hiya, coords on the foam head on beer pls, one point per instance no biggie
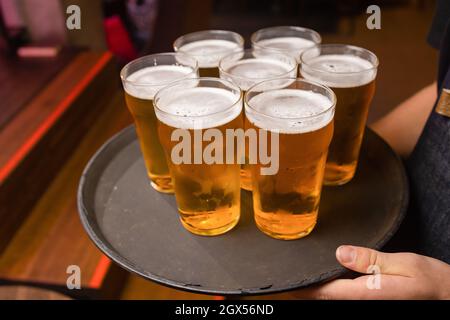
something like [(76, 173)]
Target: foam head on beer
[(288, 39), (286, 43), (209, 46), (262, 68), (339, 70), (197, 107), (249, 67), (289, 111), (144, 83), (208, 52)]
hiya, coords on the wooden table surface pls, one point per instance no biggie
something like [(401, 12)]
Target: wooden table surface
[(18, 87)]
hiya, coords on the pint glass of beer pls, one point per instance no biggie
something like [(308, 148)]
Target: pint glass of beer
[(141, 79), (208, 47), (248, 67), (193, 118), (286, 39), (350, 71), (301, 113)]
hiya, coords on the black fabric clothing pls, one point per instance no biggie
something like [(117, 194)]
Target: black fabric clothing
[(428, 166)]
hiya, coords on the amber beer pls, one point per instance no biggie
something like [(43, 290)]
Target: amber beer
[(208, 47), (207, 194), (289, 40), (286, 204), (141, 79), (248, 67), (350, 71)]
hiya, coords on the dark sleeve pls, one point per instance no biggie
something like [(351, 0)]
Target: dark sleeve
[(440, 20)]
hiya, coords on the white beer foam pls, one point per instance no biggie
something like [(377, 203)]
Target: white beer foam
[(209, 52), (287, 43), (198, 107), (147, 81), (339, 71), (289, 111), (247, 72)]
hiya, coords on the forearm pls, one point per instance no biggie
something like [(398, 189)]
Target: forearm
[(402, 126)]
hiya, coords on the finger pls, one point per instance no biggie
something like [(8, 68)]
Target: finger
[(365, 260), (365, 287), (342, 289), (327, 291)]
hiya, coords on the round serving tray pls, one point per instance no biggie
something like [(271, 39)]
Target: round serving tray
[(139, 229)]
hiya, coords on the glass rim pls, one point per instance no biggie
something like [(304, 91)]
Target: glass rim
[(176, 46), (297, 80), (374, 63), (199, 79), (124, 69), (221, 69), (296, 28)]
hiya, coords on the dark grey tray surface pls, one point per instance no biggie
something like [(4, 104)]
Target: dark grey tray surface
[(139, 228)]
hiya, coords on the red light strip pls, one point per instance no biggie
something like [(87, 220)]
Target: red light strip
[(100, 272)]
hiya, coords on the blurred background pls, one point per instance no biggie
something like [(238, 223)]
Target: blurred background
[(61, 99)]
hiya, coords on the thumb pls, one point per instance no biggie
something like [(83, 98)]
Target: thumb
[(365, 260)]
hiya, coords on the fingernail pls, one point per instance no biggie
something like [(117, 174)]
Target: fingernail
[(346, 254)]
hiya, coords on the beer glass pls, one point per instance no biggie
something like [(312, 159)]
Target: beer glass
[(300, 112), (286, 39), (248, 67), (208, 47), (350, 71), (191, 113), (141, 78)]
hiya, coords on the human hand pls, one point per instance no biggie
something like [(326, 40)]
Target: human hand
[(401, 276)]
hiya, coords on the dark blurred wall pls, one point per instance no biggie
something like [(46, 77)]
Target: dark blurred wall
[(91, 34), (177, 17)]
